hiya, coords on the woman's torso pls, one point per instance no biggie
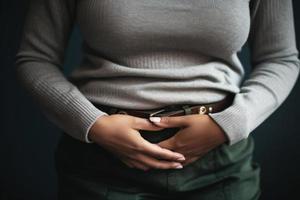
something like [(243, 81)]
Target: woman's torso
[(146, 54)]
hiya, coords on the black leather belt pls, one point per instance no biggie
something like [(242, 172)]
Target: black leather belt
[(172, 110)]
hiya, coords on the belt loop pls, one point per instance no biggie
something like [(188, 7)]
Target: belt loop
[(187, 109)]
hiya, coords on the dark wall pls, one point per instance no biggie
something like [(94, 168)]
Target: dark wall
[(28, 139)]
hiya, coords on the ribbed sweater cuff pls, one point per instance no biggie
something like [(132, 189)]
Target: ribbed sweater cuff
[(80, 115), (89, 118), (76, 115), (88, 123), (61, 101), (233, 122)]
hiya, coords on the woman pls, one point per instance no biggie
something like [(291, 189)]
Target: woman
[(140, 57)]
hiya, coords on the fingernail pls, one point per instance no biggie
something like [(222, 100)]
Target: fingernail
[(181, 159), (179, 167), (155, 119)]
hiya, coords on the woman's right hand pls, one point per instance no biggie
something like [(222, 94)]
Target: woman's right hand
[(119, 134)]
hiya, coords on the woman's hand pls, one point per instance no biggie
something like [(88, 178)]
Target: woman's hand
[(199, 134), (119, 134)]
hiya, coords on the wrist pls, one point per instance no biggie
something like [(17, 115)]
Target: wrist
[(219, 132), (93, 132)]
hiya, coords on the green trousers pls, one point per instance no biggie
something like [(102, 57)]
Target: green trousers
[(89, 172)]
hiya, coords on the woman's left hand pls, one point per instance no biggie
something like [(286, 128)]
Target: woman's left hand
[(198, 135)]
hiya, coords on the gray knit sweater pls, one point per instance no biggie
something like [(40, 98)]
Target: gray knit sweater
[(142, 54)]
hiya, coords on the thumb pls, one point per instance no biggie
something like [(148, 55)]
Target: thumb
[(175, 121), (167, 144)]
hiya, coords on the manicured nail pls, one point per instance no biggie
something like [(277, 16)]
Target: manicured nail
[(155, 119), (179, 167)]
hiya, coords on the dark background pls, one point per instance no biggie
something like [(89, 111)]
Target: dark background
[(28, 139)]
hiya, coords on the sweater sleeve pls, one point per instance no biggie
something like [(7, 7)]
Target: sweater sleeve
[(275, 63), (39, 63)]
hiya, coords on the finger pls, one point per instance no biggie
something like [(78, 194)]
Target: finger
[(135, 164), (168, 143), (139, 165), (173, 121), (158, 164), (171, 143), (144, 124), (161, 153)]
